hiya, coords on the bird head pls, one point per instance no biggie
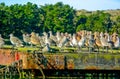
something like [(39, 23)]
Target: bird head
[(11, 35)]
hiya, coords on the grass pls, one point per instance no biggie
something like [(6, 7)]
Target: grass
[(22, 49), (69, 52), (27, 49)]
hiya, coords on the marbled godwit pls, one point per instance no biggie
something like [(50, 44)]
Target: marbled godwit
[(116, 40), (91, 42), (73, 42), (63, 41), (58, 36), (49, 40), (81, 42), (35, 39), (54, 38), (42, 40), (26, 38), (15, 41), (104, 42), (97, 40), (109, 41), (117, 43)]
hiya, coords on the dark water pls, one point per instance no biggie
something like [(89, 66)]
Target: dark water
[(85, 76), (66, 74)]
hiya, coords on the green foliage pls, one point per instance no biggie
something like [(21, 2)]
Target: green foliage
[(80, 22), (58, 17), (61, 17), (116, 26)]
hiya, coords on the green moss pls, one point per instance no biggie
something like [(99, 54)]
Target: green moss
[(7, 46), (108, 57), (26, 49), (69, 53), (21, 49), (75, 56)]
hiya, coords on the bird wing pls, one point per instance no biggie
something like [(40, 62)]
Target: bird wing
[(35, 40), (16, 40)]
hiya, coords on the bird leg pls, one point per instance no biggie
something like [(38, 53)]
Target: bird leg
[(13, 46), (103, 49), (26, 44), (98, 49), (91, 49), (106, 49), (112, 49), (79, 49), (31, 45), (74, 50), (61, 49)]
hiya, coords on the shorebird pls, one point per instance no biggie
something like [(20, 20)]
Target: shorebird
[(42, 40), (58, 37), (50, 41), (105, 43), (54, 38), (116, 40), (63, 41), (91, 42), (16, 41), (46, 48), (68, 44), (62, 35), (97, 40), (26, 38), (109, 40), (81, 42), (73, 42), (1, 41), (35, 39)]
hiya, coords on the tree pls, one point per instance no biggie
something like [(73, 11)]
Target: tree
[(58, 17), (116, 25), (80, 22)]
